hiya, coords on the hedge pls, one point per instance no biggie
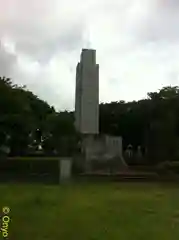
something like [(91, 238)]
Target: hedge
[(168, 166), (30, 168)]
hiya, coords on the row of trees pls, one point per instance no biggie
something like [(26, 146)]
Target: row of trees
[(152, 123), (27, 122)]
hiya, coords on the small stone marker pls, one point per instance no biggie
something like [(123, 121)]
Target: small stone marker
[(65, 169)]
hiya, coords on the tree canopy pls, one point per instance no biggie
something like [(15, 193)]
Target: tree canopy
[(27, 121)]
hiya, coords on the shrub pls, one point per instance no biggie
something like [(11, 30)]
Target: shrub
[(168, 167)]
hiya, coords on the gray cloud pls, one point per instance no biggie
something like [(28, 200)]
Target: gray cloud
[(162, 22), (40, 30), (136, 42), (45, 49), (7, 61)]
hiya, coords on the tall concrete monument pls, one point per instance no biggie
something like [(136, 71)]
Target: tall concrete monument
[(87, 94), (94, 146)]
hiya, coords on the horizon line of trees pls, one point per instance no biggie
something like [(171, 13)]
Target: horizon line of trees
[(27, 122)]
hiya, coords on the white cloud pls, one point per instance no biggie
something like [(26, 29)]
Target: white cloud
[(136, 42)]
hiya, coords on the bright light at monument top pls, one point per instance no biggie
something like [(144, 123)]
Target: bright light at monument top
[(87, 93)]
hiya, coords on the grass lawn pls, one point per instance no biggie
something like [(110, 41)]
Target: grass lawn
[(89, 211)]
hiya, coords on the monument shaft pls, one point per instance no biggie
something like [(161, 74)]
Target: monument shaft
[(87, 94)]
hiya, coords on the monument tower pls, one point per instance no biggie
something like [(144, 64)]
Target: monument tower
[(87, 93), (94, 146)]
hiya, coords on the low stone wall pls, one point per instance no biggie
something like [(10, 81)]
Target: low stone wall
[(42, 170)]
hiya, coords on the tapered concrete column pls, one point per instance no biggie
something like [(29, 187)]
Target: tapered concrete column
[(87, 93)]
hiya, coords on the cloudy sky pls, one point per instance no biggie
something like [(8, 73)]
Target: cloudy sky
[(137, 43)]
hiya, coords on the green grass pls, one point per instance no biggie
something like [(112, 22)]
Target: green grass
[(89, 211)]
